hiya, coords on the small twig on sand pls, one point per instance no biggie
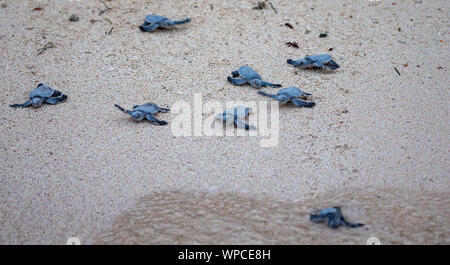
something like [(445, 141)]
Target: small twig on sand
[(397, 70), (47, 46), (107, 8), (288, 25), (292, 44), (276, 12), (108, 20), (109, 32), (74, 18), (260, 6)]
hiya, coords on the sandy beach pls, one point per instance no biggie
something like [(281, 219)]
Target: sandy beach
[(377, 143)]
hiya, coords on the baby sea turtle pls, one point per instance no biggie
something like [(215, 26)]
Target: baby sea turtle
[(145, 111), (334, 217), (292, 94), (315, 61), (235, 115), (41, 94), (153, 22), (249, 76)]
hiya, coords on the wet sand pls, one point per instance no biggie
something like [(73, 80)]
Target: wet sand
[(81, 167), (392, 216)]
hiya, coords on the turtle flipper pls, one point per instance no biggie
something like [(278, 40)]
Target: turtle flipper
[(146, 27), (237, 81), (348, 224), (333, 65), (292, 62), (24, 105), (178, 22), (243, 125), (318, 65), (120, 108), (56, 100), (123, 110), (351, 225), (301, 103), (267, 95), (235, 73), (267, 84), (154, 120)]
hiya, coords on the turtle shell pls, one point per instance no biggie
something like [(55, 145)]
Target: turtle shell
[(330, 210), (237, 112), (152, 18), (248, 73), (148, 108), (291, 92), (42, 91), (321, 58)]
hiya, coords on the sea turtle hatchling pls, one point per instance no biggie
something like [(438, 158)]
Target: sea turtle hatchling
[(41, 94), (333, 216), (146, 110), (153, 22), (315, 61), (249, 76), (292, 94), (235, 115)]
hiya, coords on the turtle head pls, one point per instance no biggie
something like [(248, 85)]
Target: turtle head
[(256, 83), (301, 63), (283, 99), (137, 115), (298, 63), (227, 119), (36, 102)]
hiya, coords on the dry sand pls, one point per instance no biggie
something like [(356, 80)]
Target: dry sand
[(376, 143)]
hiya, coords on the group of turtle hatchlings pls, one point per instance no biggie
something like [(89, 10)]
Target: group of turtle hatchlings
[(43, 93), (332, 215)]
